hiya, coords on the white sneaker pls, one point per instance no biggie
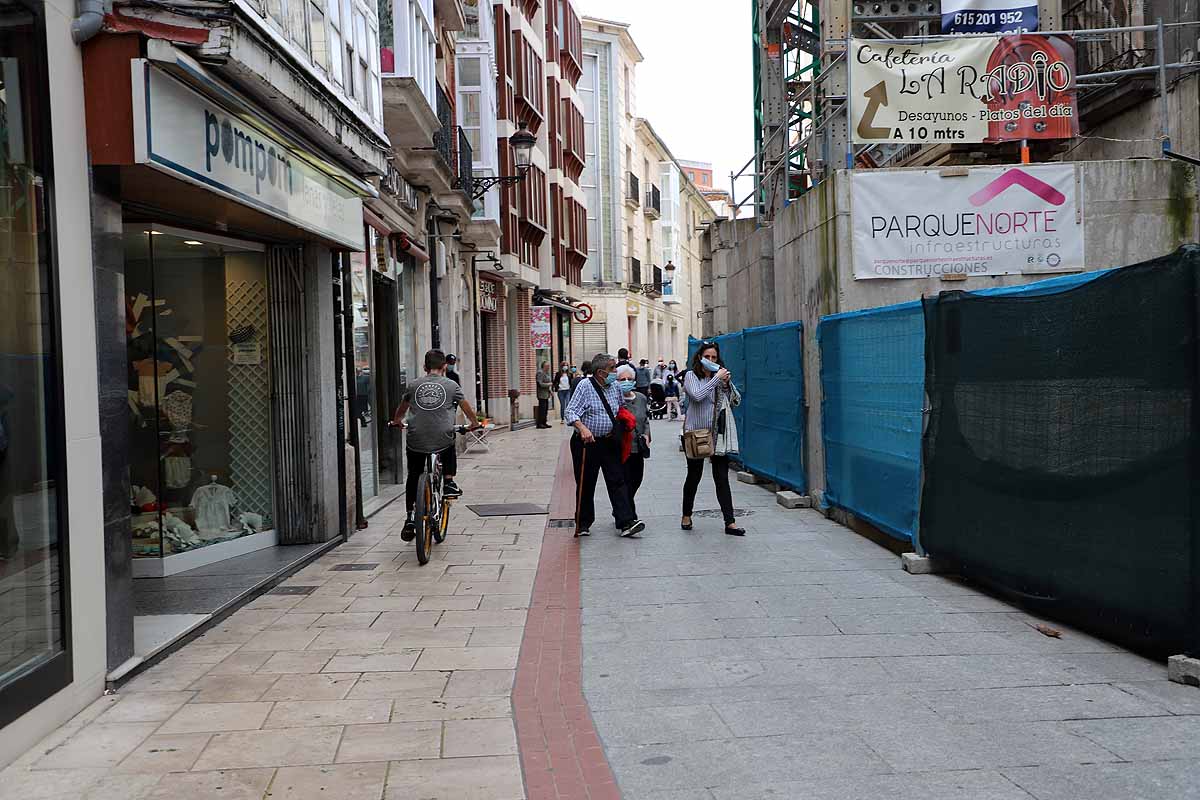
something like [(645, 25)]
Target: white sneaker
[(635, 527)]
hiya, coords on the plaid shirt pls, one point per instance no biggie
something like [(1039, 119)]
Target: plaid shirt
[(585, 405)]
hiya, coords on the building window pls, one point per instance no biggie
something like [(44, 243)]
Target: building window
[(320, 37), (470, 83), (35, 658), (628, 85), (335, 41), (297, 25)]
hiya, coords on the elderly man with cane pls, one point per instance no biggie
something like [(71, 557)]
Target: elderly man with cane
[(596, 447)]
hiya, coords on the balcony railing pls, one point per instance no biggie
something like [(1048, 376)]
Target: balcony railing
[(635, 271), (466, 164), (634, 194), (444, 138), (653, 200)]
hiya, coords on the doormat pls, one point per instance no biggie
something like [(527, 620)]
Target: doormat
[(507, 509), (561, 523)]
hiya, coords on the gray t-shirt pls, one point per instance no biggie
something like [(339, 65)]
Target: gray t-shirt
[(433, 405)]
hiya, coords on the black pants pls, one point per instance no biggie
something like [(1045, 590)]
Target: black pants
[(603, 455), (635, 469), (543, 411), (720, 473), (416, 465)]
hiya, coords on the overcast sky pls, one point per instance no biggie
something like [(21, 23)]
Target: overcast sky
[(694, 84)]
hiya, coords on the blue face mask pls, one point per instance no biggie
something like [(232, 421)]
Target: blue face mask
[(609, 380), (711, 366), (627, 385)]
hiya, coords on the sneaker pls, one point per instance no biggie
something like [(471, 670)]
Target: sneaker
[(450, 489), (633, 529), (582, 533), (409, 531)]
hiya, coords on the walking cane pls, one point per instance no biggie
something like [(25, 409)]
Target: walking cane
[(579, 488)]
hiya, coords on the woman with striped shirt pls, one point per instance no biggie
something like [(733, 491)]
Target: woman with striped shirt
[(703, 385)]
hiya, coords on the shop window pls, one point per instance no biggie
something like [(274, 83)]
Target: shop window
[(35, 660), (199, 391)]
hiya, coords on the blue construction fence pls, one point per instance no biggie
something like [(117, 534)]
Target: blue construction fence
[(768, 369), (872, 411)]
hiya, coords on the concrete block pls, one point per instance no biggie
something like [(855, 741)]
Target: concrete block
[(921, 565), (1183, 669), (747, 477), (792, 500)]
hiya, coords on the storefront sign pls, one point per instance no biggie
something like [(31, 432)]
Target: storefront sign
[(632, 309), (182, 132), (539, 327), (992, 221), (246, 354), (978, 89), (989, 16), (487, 296)]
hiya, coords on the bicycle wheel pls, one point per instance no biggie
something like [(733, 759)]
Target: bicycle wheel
[(439, 535), (424, 515)]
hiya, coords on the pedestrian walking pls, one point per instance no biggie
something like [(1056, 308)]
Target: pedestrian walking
[(673, 368), (661, 371), (563, 385), (452, 368), (671, 390), (709, 431), (642, 377), (596, 448), (638, 405), (623, 357), (580, 375), (544, 383)]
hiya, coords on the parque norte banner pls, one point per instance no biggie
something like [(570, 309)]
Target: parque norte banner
[(990, 221), (966, 90)]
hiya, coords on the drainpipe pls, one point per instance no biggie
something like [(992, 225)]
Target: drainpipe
[(87, 23)]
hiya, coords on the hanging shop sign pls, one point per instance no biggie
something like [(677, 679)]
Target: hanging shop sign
[(989, 16), (182, 132), (539, 327), (487, 297), (968, 90), (991, 221)]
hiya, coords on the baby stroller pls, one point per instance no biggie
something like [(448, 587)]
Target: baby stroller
[(657, 407)]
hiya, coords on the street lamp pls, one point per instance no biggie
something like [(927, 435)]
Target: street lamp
[(522, 143), (668, 274)]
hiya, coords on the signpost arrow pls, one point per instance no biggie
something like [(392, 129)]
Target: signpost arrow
[(876, 97)]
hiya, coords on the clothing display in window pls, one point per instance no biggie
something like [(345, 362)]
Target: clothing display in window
[(178, 407), (213, 504)]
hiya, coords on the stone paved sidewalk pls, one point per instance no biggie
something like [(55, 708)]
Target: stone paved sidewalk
[(388, 680), (800, 662)]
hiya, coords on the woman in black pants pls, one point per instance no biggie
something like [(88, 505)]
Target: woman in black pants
[(704, 384)]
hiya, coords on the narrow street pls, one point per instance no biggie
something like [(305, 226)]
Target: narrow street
[(799, 661)]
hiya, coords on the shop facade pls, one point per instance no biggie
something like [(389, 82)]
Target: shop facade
[(52, 598), (230, 240)]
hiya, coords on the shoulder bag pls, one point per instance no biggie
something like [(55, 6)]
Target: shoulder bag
[(698, 443)]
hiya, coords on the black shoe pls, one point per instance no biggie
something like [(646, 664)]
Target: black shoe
[(735, 531), (409, 531), (633, 529), (450, 489), (687, 526)]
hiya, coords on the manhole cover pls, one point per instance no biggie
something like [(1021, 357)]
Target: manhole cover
[(293, 590), (716, 512), (561, 523), (507, 509), (352, 567)]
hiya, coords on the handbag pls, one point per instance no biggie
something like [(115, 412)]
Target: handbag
[(644, 448), (698, 443)]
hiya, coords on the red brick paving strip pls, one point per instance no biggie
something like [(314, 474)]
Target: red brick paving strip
[(561, 754)]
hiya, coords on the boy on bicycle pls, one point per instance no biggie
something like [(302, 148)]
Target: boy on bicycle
[(430, 405)]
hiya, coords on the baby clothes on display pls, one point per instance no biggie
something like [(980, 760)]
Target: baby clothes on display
[(178, 408), (213, 504), (177, 472)]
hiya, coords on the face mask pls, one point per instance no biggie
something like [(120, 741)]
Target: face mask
[(572, 370), (609, 380), (626, 386), (711, 366)]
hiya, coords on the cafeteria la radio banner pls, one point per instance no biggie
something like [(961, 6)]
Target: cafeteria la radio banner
[(965, 90), (991, 221)]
